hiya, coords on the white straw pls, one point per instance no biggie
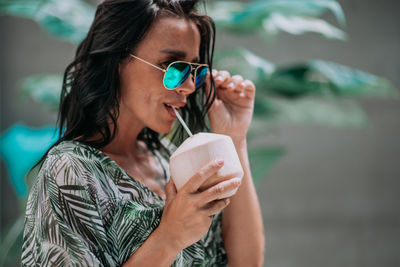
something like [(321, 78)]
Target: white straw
[(182, 122)]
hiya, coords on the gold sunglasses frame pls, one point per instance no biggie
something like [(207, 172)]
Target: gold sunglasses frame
[(198, 65)]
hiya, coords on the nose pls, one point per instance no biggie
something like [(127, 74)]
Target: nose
[(187, 87)]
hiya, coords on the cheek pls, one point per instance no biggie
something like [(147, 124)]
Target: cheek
[(142, 96), (142, 92), (132, 86)]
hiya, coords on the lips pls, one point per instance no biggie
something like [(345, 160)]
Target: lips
[(174, 105), (169, 107), (170, 110)]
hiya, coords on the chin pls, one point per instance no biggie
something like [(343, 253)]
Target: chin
[(162, 128)]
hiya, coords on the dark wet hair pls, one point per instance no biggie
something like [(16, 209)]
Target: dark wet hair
[(91, 85)]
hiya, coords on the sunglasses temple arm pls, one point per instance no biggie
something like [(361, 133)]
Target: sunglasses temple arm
[(148, 63)]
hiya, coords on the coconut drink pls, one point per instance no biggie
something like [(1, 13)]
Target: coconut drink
[(198, 150)]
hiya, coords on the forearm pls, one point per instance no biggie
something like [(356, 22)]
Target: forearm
[(155, 251), (242, 224)]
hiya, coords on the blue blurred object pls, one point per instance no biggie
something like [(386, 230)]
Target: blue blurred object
[(21, 147)]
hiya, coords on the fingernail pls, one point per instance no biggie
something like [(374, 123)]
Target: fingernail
[(218, 79), (227, 201), (237, 182), (230, 85), (220, 162)]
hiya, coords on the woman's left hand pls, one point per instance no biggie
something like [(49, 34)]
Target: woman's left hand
[(232, 110)]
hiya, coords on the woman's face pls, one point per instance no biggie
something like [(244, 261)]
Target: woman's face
[(143, 96)]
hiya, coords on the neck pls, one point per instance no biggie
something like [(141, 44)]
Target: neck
[(125, 143)]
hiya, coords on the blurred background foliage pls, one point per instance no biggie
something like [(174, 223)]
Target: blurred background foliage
[(310, 92)]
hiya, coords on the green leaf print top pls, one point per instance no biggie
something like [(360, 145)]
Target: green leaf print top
[(84, 210)]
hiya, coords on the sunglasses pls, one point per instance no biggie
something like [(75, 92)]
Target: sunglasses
[(177, 73)]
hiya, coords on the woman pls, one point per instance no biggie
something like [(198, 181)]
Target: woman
[(103, 196)]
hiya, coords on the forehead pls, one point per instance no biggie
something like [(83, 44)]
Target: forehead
[(172, 33)]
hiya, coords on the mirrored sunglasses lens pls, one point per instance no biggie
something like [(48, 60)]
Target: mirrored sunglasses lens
[(201, 76), (176, 74)]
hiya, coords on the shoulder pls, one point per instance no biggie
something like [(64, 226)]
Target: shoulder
[(73, 159), (75, 149), (77, 170), (76, 152)]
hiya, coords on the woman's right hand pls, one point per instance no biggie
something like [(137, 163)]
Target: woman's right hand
[(188, 213)]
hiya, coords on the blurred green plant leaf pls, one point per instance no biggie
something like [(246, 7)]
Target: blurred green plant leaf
[(223, 12), (68, 20), (274, 16), (21, 147), (317, 77), (291, 83), (312, 8), (44, 89), (314, 77), (241, 60), (350, 82), (299, 25), (327, 111)]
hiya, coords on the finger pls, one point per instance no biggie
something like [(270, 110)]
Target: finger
[(170, 191), (236, 83), (202, 175), (216, 206), (249, 89), (220, 189), (222, 78)]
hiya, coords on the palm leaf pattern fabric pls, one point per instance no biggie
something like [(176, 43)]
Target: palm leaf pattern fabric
[(84, 210)]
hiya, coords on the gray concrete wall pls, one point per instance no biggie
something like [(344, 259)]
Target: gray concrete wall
[(333, 200)]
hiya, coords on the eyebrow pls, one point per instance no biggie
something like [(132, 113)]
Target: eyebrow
[(178, 53)]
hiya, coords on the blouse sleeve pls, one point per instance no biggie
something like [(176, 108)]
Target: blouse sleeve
[(63, 224)]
